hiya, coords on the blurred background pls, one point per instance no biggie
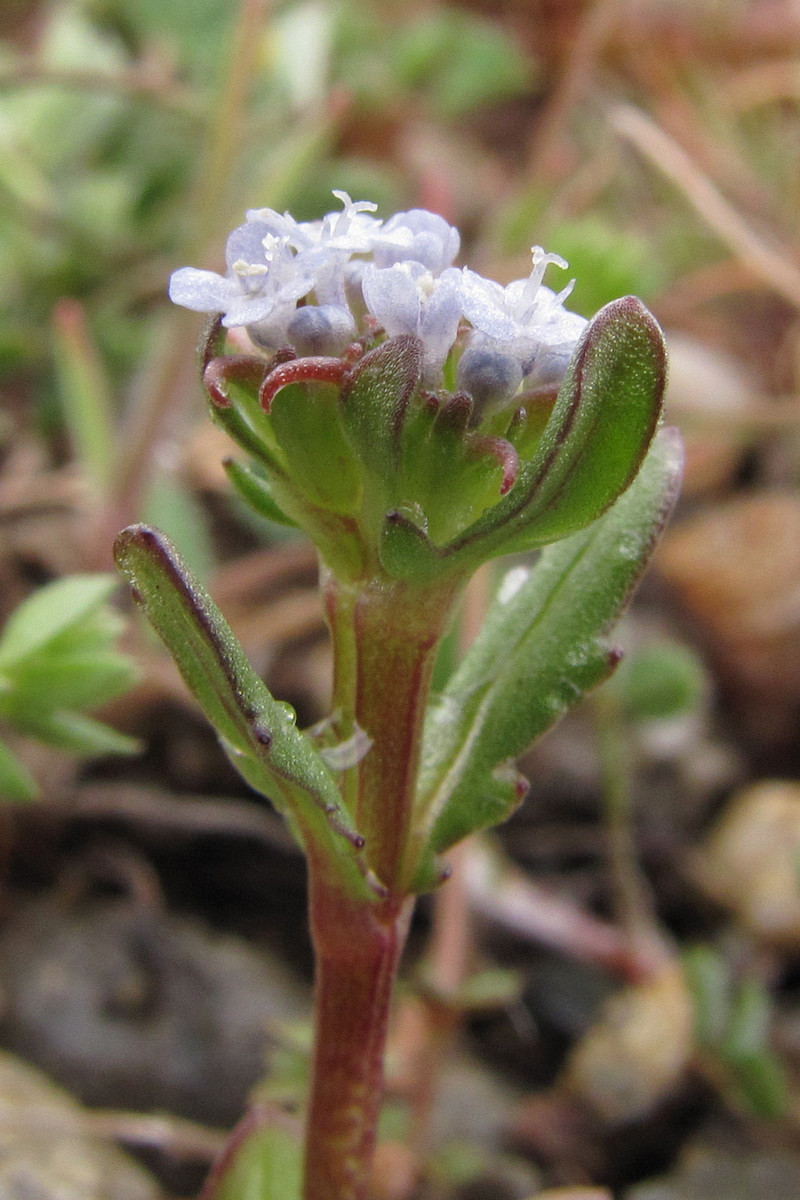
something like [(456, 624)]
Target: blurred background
[(628, 1006)]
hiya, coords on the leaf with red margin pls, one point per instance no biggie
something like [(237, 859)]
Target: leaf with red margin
[(542, 646), (602, 424), (258, 732)]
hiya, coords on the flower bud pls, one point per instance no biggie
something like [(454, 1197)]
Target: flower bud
[(489, 376), (324, 329)]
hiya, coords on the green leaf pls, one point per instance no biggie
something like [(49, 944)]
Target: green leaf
[(375, 402), (709, 979), (599, 431), (482, 991), (17, 785), (76, 733), (464, 62), (603, 422), (307, 422), (244, 422), (406, 551), (170, 504), (263, 1161), (85, 392), (659, 680), (50, 612), (76, 681), (747, 1052), (95, 633), (257, 731), (543, 645), (763, 1085), (257, 491), (749, 1024)]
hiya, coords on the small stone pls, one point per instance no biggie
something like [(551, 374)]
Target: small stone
[(636, 1054), (736, 571), (749, 863), (709, 1174), (706, 391), (46, 1152)]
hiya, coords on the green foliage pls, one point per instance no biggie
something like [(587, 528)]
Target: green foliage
[(257, 492), (257, 732), (543, 644), (58, 658), (462, 61), (606, 262), (733, 1019), (309, 430), (480, 992), (172, 507), (75, 170), (194, 31), (263, 1162), (84, 394), (374, 463), (591, 448), (16, 782), (604, 419), (449, 61), (659, 680)]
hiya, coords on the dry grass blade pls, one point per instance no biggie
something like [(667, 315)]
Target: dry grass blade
[(769, 265)]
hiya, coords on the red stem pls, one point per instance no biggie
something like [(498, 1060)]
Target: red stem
[(358, 951), (385, 636)]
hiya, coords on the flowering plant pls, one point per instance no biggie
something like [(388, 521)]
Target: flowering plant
[(415, 420)]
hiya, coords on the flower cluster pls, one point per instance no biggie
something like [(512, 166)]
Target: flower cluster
[(307, 285)]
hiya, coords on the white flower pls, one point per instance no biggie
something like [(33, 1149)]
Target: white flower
[(325, 247), (265, 279), (417, 236), (525, 319), (273, 262), (407, 298), (402, 271)]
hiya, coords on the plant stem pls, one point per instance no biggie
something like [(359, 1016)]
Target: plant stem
[(631, 893), (358, 950), (385, 636)]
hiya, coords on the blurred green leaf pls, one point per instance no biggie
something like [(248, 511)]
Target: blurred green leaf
[(84, 392), (262, 1161), (733, 1022), (709, 979), (192, 32), (51, 611), (481, 991), (463, 61), (77, 681), (747, 1051), (763, 1085), (749, 1022), (170, 506), (605, 262), (659, 680), (78, 734), (57, 658), (17, 785)]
